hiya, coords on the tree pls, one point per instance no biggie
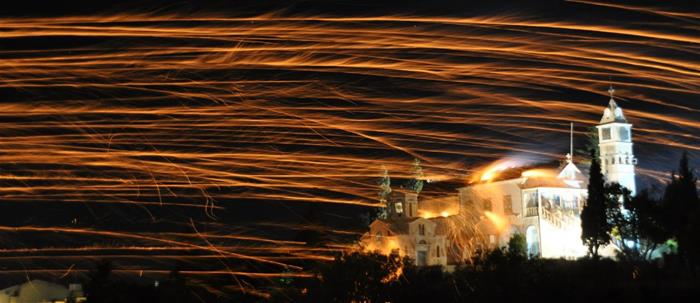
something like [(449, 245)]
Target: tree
[(594, 220), (625, 220), (416, 183), (680, 204), (103, 287), (649, 224), (358, 277), (312, 226), (517, 245), (100, 278), (174, 289), (384, 191), (592, 142), (681, 214), (384, 185)]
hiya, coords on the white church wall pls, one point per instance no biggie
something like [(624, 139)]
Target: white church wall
[(497, 193), (561, 243)]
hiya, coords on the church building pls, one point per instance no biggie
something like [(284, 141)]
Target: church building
[(542, 203)]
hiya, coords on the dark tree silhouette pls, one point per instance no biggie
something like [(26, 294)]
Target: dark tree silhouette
[(640, 222), (592, 142), (594, 220), (680, 204), (96, 288), (358, 277), (517, 245), (312, 224), (625, 221)]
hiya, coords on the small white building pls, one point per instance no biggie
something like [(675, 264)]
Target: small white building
[(40, 291)]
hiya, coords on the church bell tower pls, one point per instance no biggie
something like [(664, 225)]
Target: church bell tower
[(615, 144)]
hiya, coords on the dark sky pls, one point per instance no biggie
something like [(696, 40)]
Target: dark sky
[(253, 118)]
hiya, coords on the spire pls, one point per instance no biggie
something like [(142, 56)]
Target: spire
[(571, 142), (570, 171), (613, 113), (612, 104), (416, 183), (384, 185), (570, 158)]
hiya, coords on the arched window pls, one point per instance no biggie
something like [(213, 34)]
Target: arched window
[(438, 251), (487, 204), (399, 207), (421, 229), (532, 239)]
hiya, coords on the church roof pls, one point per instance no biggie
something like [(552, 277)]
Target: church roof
[(398, 226), (551, 182), (569, 176), (613, 113), (442, 224), (570, 170), (565, 176)]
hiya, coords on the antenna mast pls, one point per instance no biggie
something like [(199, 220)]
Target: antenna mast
[(571, 142)]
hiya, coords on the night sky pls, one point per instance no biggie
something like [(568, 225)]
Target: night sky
[(214, 134)]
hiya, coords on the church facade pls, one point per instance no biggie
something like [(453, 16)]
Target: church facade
[(403, 232), (542, 203)]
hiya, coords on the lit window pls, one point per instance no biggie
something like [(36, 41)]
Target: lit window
[(399, 208), (507, 204), (624, 134), (606, 133), (531, 200), (487, 204)]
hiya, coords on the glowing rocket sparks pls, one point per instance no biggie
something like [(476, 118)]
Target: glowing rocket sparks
[(203, 114)]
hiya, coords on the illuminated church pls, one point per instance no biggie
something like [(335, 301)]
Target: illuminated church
[(543, 204)]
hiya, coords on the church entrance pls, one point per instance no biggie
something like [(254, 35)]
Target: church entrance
[(533, 241), (422, 258)]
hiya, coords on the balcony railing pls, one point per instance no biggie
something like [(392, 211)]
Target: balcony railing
[(531, 211), (560, 218)]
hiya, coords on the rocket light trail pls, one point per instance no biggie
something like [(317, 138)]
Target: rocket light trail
[(199, 115)]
